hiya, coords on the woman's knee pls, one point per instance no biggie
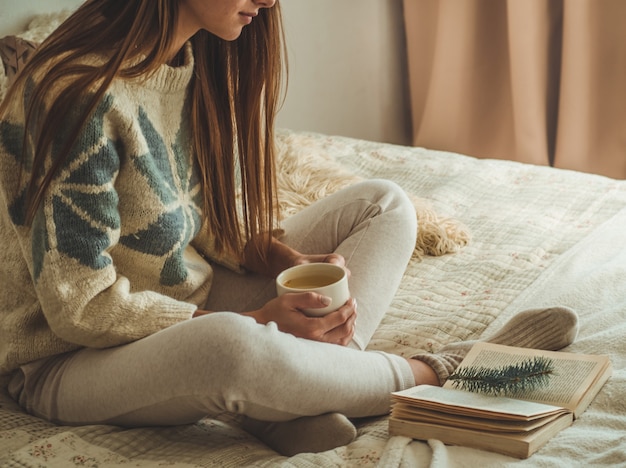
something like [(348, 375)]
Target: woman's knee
[(384, 192), (391, 199)]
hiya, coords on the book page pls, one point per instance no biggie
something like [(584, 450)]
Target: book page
[(573, 374), (412, 413), (473, 404)]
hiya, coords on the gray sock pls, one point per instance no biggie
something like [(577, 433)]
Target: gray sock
[(310, 434), (549, 329)]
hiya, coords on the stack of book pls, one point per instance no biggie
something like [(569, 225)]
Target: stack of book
[(515, 425)]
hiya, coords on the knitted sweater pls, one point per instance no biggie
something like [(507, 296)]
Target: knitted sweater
[(116, 251)]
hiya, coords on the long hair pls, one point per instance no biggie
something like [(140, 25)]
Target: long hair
[(234, 97)]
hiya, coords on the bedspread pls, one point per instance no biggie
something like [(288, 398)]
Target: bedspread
[(539, 236)]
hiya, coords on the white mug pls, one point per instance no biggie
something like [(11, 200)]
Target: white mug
[(326, 279)]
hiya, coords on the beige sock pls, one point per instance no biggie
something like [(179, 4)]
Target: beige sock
[(549, 329), (308, 434)]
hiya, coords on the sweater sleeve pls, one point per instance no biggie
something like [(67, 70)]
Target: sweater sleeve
[(83, 297)]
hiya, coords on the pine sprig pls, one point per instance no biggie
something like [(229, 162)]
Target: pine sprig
[(527, 375)]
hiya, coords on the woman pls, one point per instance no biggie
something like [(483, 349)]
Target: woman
[(137, 290)]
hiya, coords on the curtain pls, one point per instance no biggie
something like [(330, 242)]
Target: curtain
[(536, 81)]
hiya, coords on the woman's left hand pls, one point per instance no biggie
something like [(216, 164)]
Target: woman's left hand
[(286, 312), (282, 256), (334, 258)]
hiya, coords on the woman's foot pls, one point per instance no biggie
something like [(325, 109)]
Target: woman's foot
[(310, 434), (549, 329)]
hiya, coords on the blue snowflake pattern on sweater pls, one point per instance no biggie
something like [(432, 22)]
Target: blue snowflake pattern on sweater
[(176, 184), (84, 201)]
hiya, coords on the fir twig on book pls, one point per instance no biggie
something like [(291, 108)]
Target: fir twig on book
[(527, 375)]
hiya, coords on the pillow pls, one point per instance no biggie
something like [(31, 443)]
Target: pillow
[(14, 52)]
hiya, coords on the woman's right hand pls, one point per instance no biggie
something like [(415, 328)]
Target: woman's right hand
[(286, 311)]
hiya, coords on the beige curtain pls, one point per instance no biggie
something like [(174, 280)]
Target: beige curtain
[(537, 81)]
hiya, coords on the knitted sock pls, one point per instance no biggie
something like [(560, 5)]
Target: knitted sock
[(307, 434), (548, 329)]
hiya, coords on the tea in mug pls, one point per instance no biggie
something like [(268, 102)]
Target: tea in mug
[(310, 281)]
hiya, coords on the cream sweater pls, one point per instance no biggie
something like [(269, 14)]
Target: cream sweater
[(116, 251)]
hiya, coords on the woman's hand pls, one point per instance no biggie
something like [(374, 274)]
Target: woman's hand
[(335, 258), (286, 311), (281, 257)]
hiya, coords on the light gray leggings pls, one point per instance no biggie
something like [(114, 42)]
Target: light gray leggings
[(226, 362)]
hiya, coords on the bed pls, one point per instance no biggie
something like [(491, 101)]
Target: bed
[(496, 237)]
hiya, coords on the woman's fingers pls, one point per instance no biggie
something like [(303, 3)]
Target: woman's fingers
[(336, 327), (342, 329)]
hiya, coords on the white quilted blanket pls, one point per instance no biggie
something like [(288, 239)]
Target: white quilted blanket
[(538, 236)]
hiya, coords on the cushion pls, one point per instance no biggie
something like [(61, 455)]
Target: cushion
[(14, 52)]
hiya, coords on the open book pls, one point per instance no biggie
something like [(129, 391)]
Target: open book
[(513, 425)]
